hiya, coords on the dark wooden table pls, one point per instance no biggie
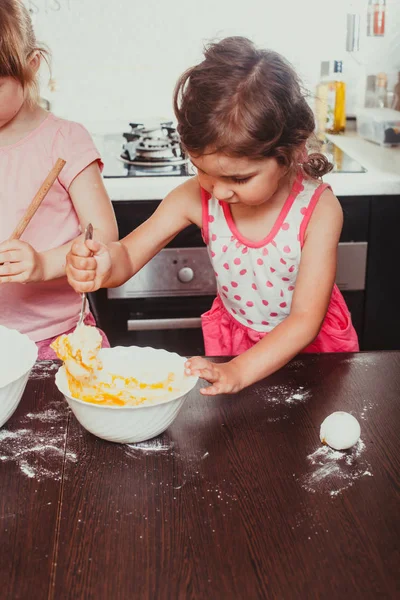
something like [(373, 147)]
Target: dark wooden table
[(237, 500)]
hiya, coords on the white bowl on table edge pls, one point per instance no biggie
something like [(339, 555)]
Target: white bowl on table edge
[(18, 354), (131, 424)]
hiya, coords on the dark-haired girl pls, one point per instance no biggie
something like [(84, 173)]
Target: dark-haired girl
[(271, 226)]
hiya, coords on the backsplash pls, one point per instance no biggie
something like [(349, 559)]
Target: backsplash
[(120, 60)]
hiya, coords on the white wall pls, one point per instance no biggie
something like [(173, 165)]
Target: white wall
[(119, 59)]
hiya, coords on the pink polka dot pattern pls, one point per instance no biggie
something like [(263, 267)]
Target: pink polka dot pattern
[(256, 281)]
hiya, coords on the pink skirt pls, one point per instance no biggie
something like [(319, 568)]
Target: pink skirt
[(225, 336), (47, 353)]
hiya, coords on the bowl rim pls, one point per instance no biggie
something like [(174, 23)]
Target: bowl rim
[(31, 354), (193, 380)]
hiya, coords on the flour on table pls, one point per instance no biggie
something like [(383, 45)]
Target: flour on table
[(154, 445), (44, 369), (33, 451), (334, 471)]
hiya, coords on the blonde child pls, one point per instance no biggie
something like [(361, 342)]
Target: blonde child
[(31, 140), (271, 226)]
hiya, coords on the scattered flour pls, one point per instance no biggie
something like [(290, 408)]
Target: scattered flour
[(280, 399), (335, 471), (154, 445), (34, 451), (44, 369)]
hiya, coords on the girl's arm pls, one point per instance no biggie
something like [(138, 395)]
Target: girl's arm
[(115, 263), (23, 264), (309, 306), (93, 205)]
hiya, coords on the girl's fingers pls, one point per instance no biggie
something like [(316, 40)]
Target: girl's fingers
[(20, 278), (95, 247), (10, 269), (197, 362), (211, 390), (11, 256), (83, 264), (80, 249)]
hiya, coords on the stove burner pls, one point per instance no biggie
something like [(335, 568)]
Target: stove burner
[(153, 147)]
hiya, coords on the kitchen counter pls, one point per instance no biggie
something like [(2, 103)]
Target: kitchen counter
[(238, 499), (382, 176)]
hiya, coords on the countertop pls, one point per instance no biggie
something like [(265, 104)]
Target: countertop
[(237, 499), (382, 176)]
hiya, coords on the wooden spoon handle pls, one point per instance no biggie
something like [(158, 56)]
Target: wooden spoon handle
[(36, 202)]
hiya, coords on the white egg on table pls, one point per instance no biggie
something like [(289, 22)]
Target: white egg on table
[(340, 431)]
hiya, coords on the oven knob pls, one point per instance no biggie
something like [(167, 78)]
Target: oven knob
[(185, 275)]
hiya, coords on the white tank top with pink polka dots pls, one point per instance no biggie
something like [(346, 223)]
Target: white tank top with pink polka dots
[(256, 280)]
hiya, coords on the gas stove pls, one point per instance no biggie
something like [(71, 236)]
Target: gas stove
[(147, 150), (154, 150)]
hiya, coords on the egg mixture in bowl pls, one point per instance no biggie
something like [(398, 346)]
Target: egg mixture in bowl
[(123, 394)]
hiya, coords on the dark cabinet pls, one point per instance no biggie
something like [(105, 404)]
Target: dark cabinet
[(374, 309), (382, 303)]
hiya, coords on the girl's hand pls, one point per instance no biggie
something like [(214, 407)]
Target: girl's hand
[(20, 263), (224, 377), (88, 265)]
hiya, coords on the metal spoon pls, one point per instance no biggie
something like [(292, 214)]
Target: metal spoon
[(88, 236)]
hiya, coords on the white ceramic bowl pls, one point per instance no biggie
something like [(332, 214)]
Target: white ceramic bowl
[(130, 424), (18, 354)]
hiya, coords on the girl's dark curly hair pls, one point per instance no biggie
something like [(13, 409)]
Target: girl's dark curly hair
[(244, 101)]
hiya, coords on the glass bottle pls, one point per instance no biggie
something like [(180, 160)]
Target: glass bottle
[(336, 101), (376, 17), (381, 91)]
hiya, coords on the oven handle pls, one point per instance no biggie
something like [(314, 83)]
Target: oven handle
[(159, 324)]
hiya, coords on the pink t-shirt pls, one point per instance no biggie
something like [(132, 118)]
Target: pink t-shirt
[(46, 309)]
